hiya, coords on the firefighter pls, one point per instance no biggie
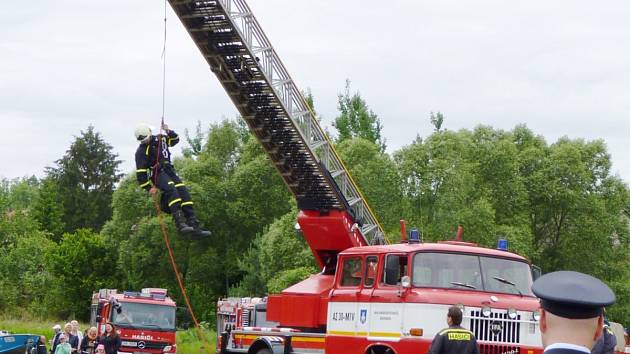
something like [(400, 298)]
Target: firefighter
[(606, 343), (153, 166), (571, 314), (455, 339)]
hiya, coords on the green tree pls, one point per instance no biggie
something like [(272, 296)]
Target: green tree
[(437, 119), (86, 177), (83, 262), (439, 184), (22, 192), (224, 143), (571, 197), (276, 259), (378, 178), (356, 119), (195, 141), (47, 210), (24, 279)]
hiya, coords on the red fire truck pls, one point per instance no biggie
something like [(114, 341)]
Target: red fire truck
[(392, 299), (145, 320), (369, 297)]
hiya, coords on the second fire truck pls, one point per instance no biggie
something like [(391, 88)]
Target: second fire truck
[(145, 320)]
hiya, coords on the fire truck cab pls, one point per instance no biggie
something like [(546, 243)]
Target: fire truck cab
[(145, 320), (394, 299)]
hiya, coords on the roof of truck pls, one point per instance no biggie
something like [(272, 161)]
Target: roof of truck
[(147, 296), (443, 246), (143, 300)]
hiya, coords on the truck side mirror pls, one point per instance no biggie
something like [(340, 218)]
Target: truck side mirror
[(392, 269), (405, 282), (536, 272), (98, 318)]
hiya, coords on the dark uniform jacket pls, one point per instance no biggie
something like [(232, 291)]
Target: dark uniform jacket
[(564, 348), (606, 343), (147, 156), (55, 342), (454, 340)]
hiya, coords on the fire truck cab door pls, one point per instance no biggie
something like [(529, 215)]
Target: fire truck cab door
[(387, 300), (370, 278), (344, 298)]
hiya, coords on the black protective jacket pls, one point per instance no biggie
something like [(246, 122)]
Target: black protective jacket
[(454, 340), (606, 343), (148, 156)]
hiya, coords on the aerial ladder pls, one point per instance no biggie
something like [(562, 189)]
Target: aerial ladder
[(333, 214)]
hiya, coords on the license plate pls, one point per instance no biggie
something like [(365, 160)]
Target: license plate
[(129, 344)]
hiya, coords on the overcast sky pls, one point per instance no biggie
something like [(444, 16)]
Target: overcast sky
[(561, 67)]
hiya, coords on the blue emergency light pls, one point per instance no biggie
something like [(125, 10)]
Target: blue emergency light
[(502, 244), (415, 236)]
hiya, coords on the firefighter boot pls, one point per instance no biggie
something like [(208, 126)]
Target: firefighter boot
[(180, 222), (198, 231)]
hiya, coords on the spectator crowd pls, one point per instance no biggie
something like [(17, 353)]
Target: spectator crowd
[(71, 340)]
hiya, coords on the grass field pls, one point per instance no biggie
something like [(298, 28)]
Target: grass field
[(188, 342)]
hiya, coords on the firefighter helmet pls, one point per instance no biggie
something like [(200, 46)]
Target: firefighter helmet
[(142, 131)]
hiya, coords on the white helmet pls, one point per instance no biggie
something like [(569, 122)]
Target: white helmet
[(142, 131)]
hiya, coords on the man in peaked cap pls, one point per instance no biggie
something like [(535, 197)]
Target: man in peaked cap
[(571, 315)]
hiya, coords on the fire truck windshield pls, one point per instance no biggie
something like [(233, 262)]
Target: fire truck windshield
[(145, 316), (472, 272)]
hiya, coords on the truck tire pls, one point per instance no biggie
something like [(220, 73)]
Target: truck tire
[(264, 351)]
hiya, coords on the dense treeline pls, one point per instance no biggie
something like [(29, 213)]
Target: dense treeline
[(84, 226)]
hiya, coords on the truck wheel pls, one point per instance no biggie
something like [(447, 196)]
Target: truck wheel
[(264, 351)]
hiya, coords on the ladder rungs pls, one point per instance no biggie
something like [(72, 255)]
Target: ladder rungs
[(337, 173)]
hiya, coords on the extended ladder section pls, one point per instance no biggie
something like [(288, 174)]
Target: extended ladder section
[(239, 53)]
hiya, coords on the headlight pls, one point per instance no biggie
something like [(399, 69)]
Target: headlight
[(167, 349), (511, 314), (536, 315), (486, 311)]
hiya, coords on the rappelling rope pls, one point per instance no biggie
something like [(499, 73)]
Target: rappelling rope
[(156, 202)]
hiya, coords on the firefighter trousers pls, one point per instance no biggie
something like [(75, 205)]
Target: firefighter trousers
[(175, 195)]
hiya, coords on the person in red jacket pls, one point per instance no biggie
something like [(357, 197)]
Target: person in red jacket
[(154, 171)]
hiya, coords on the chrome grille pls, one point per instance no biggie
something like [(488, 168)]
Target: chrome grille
[(499, 349), (245, 318), (496, 328)]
